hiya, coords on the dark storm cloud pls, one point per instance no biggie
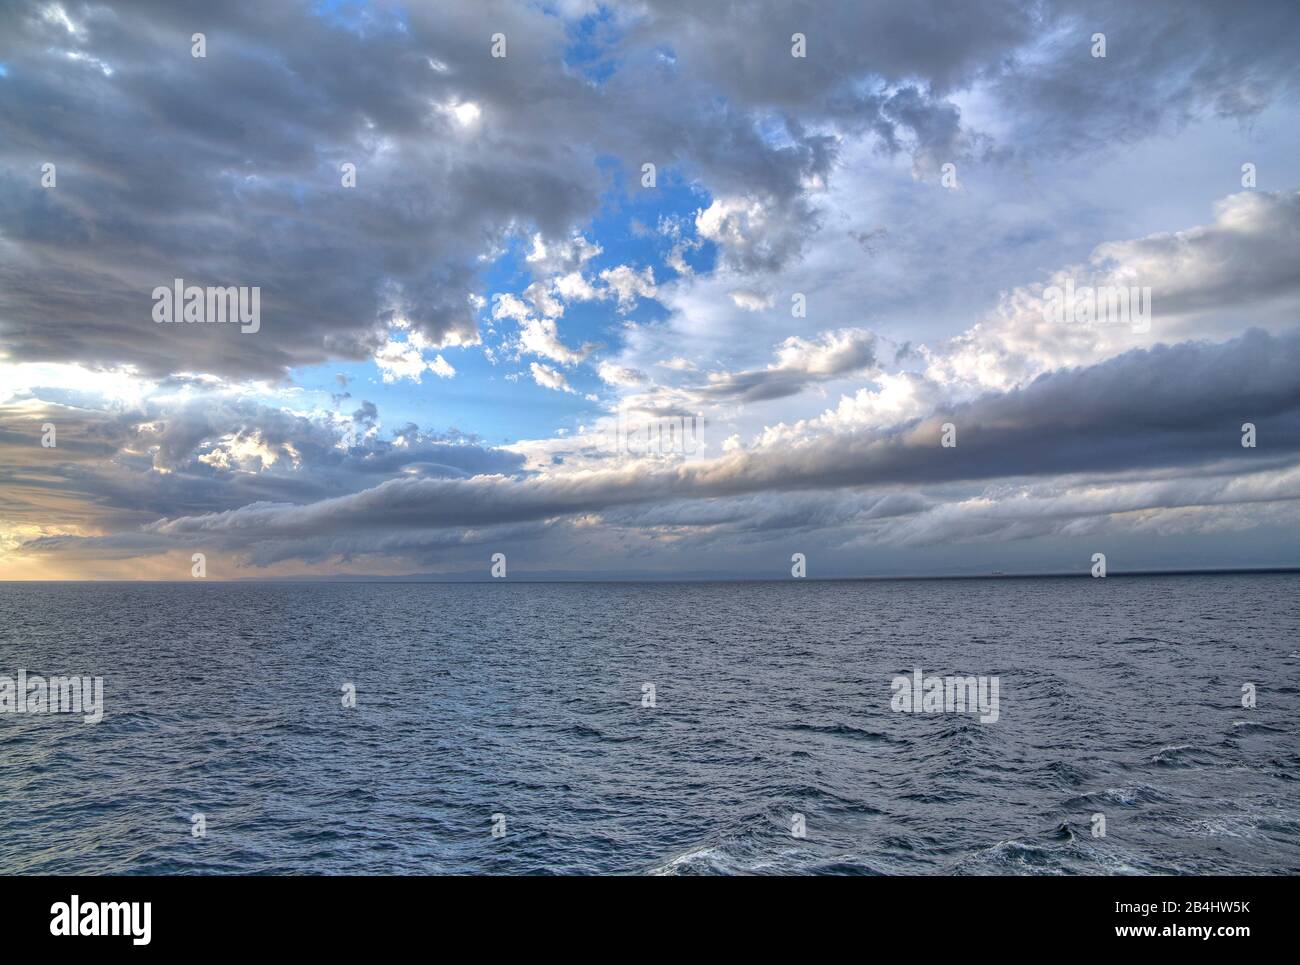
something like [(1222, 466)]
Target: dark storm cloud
[(1177, 407)]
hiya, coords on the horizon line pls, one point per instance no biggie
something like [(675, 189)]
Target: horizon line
[(410, 579)]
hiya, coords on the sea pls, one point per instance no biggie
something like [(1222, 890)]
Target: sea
[(1145, 725)]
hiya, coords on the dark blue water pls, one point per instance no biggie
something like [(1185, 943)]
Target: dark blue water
[(1119, 696)]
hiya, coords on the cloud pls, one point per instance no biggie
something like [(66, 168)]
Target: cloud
[(1204, 283), (756, 234), (1145, 411), (194, 448), (1158, 75), (540, 336), (627, 284), (549, 378), (453, 160), (800, 363), (620, 375), (264, 128), (404, 360), (751, 301), (560, 257)]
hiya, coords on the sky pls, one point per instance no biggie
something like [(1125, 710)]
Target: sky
[(648, 289)]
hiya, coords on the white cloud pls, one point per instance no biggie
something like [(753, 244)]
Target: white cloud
[(1206, 282), (751, 301), (441, 368), (560, 257), (465, 113), (627, 284), (755, 233), (540, 336), (549, 378), (619, 374), (506, 305), (539, 293), (405, 360), (574, 287)]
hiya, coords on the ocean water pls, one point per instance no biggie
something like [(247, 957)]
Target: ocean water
[(1119, 697)]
